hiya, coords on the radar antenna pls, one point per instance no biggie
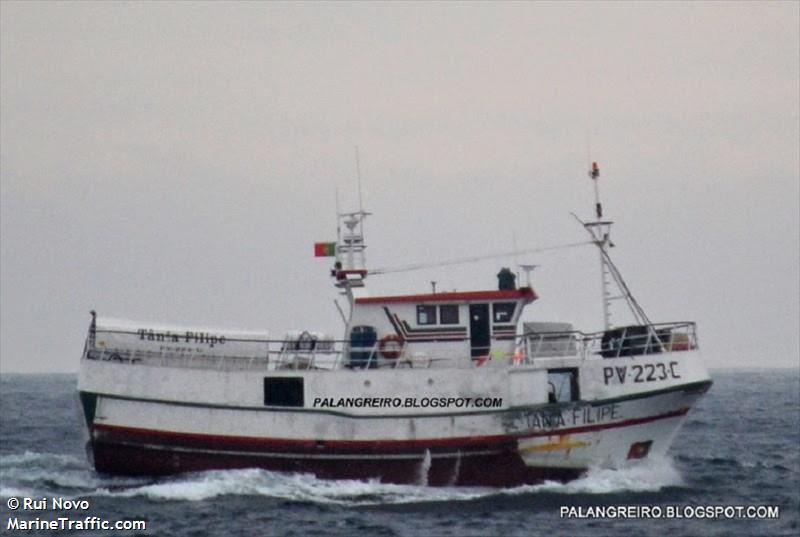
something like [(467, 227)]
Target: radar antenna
[(350, 268)]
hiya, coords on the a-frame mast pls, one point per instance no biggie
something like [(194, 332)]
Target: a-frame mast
[(600, 230)]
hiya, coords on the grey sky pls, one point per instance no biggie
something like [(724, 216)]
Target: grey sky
[(175, 162)]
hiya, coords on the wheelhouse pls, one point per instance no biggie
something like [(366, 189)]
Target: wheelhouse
[(478, 325)]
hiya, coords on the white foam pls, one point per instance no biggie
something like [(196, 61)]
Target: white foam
[(33, 457), (40, 473), (646, 475), (32, 471), (293, 487), (12, 492)]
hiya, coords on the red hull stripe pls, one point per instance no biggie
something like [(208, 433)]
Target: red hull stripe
[(625, 423), (282, 444)]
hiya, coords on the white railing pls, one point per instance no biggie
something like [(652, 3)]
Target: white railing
[(307, 352), (128, 347), (614, 343)]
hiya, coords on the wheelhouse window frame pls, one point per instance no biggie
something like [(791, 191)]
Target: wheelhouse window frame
[(448, 314), (426, 315), (503, 312)]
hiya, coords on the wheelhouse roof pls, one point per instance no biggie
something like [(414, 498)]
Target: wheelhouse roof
[(524, 293)]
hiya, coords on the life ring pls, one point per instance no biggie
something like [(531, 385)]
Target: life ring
[(391, 346)]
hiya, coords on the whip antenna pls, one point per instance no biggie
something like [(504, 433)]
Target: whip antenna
[(358, 175)]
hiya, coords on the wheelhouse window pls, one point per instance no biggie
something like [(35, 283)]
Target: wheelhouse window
[(448, 314), (426, 315), (503, 311)]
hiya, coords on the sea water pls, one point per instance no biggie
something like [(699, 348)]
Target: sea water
[(740, 447)]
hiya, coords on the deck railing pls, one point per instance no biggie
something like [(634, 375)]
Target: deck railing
[(308, 352), (613, 343)]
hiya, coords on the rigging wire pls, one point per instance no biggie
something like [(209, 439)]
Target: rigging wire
[(632, 302), (473, 259), (636, 309)]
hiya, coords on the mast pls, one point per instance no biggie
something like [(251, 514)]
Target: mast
[(350, 269), (600, 230), (350, 247)]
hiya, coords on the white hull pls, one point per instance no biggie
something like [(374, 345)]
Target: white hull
[(186, 419)]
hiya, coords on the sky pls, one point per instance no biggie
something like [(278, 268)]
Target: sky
[(175, 162)]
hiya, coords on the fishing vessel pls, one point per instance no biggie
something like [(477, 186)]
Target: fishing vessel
[(434, 388)]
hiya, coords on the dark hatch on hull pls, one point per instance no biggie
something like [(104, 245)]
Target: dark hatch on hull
[(283, 391)]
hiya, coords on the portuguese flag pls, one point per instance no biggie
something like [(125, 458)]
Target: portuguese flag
[(324, 249)]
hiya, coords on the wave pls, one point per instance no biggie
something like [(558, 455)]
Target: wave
[(36, 474), (293, 487), (646, 475), (36, 458)]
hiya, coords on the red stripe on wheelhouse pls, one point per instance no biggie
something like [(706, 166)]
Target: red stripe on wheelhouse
[(461, 296)]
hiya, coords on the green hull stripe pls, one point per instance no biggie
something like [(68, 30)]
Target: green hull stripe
[(89, 404), (700, 386), (693, 387)]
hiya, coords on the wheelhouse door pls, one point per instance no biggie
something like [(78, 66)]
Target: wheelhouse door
[(479, 336)]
